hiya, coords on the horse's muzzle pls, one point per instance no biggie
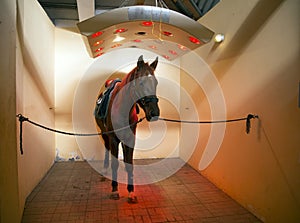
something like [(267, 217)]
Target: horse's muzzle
[(150, 107), (153, 116)]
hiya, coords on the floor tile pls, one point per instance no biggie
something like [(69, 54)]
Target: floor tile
[(75, 192)]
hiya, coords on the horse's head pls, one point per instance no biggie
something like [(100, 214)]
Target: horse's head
[(145, 85)]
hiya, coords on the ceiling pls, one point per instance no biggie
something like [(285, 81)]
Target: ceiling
[(64, 13)]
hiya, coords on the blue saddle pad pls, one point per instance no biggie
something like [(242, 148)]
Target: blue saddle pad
[(102, 103)]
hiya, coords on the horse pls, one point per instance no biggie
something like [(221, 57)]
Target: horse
[(136, 89)]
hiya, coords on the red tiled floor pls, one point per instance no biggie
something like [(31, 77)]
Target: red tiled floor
[(75, 192)]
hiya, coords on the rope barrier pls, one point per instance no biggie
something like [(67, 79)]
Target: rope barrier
[(25, 119), (248, 118)]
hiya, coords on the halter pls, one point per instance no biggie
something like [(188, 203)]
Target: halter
[(139, 96), (147, 99)]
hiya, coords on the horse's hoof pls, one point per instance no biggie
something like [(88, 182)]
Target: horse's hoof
[(132, 200), (114, 196)]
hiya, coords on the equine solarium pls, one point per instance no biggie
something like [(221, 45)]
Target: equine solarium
[(150, 111)]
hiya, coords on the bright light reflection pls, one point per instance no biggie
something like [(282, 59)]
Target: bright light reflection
[(118, 39)]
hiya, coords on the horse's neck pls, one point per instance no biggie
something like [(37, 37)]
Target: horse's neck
[(122, 101), (124, 88)]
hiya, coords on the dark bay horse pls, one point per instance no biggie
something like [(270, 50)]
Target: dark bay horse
[(136, 89)]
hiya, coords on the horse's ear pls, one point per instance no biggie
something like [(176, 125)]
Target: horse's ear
[(154, 63), (140, 62)]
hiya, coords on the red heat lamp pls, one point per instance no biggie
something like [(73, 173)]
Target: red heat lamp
[(99, 49), (147, 23), (122, 30), (163, 31), (96, 34), (98, 42), (194, 40), (166, 33)]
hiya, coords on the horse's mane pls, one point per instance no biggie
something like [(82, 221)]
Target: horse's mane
[(133, 74)]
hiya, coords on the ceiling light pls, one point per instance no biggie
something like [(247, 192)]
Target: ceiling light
[(99, 49), (150, 24), (116, 45), (181, 47), (194, 40), (98, 42), (99, 54), (153, 47), (219, 38), (118, 39), (122, 30), (96, 34), (173, 52), (147, 23), (166, 33)]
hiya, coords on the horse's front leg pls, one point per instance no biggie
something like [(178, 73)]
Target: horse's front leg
[(114, 166), (128, 157)]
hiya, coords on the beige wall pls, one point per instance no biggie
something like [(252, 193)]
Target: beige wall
[(35, 94), (10, 210), (27, 87), (257, 67)]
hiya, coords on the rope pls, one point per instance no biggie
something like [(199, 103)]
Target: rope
[(25, 119), (22, 119), (248, 118)]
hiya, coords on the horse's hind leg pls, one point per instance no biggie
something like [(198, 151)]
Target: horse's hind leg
[(114, 166), (105, 137), (128, 156), (106, 158)]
